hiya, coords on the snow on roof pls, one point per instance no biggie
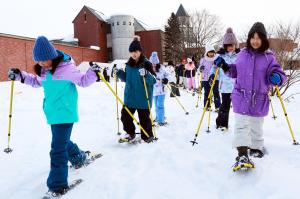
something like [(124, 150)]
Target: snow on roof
[(69, 38), (98, 14)]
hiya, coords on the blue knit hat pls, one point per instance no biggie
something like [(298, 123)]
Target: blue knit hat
[(154, 58), (43, 50)]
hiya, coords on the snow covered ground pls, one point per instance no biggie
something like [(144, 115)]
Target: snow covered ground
[(168, 169)]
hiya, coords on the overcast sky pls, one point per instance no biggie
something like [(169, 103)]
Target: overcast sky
[(53, 18)]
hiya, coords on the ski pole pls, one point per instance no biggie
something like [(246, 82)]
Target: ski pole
[(205, 108), (178, 101), (272, 108), (286, 115), (119, 99), (149, 107), (8, 149), (117, 103), (208, 126), (200, 92)]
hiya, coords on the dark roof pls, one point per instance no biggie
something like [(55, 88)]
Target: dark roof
[(181, 12), (96, 13)]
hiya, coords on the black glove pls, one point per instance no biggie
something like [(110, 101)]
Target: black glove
[(96, 68), (211, 79), (220, 62), (202, 68), (164, 81), (13, 73)]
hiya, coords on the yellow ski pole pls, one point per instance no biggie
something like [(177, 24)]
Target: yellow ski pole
[(286, 115), (119, 99), (117, 103), (200, 92), (205, 108), (149, 107), (209, 112), (272, 108), (178, 101), (8, 149)]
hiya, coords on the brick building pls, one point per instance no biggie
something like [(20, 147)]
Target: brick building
[(114, 34), (16, 51)]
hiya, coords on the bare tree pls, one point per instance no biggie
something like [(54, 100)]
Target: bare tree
[(206, 28), (287, 51)]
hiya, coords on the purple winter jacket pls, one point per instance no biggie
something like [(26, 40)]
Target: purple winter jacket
[(252, 71), (64, 71)]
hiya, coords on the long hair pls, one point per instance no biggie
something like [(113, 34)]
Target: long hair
[(38, 69), (264, 42)]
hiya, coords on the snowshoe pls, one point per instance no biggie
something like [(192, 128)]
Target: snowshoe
[(222, 128), (256, 153), (149, 140), (161, 124), (130, 140), (243, 163), (59, 193), (90, 158)]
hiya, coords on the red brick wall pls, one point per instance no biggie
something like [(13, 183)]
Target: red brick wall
[(17, 52), (152, 41), (91, 32)]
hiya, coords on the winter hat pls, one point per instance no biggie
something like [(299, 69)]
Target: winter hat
[(259, 28), (229, 37), (154, 58), (189, 60), (135, 44), (209, 48), (43, 50)]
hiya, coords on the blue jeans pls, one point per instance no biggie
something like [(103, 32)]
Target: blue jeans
[(62, 151), (159, 102)]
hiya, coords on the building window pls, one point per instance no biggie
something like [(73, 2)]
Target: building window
[(85, 18), (113, 24), (124, 23), (130, 23), (118, 23)]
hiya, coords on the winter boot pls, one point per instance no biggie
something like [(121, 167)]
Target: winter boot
[(256, 153), (242, 161)]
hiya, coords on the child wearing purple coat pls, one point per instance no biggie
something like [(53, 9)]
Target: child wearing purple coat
[(256, 71)]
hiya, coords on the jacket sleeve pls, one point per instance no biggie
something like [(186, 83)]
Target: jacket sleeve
[(30, 79), (150, 79), (275, 67), (167, 74), (213, 70), (232, 71), (122, 75), (82, 79)]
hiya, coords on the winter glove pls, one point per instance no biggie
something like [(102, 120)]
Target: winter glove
[(164, 81), (211, 79), (202, 68), (14, 73), (220, 62), (116, 67), (95, 67), (143, 72), (275, 78)]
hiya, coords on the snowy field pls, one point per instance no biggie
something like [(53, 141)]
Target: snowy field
[(168, 169)]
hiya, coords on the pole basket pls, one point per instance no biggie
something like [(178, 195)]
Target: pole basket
[(8, 150)]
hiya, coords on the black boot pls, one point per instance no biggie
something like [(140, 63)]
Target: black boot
[(256, 153)]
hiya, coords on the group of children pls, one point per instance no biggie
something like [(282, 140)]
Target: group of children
[(245, 77)]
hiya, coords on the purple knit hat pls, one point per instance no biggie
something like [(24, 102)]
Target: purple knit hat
[(229, 37)]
